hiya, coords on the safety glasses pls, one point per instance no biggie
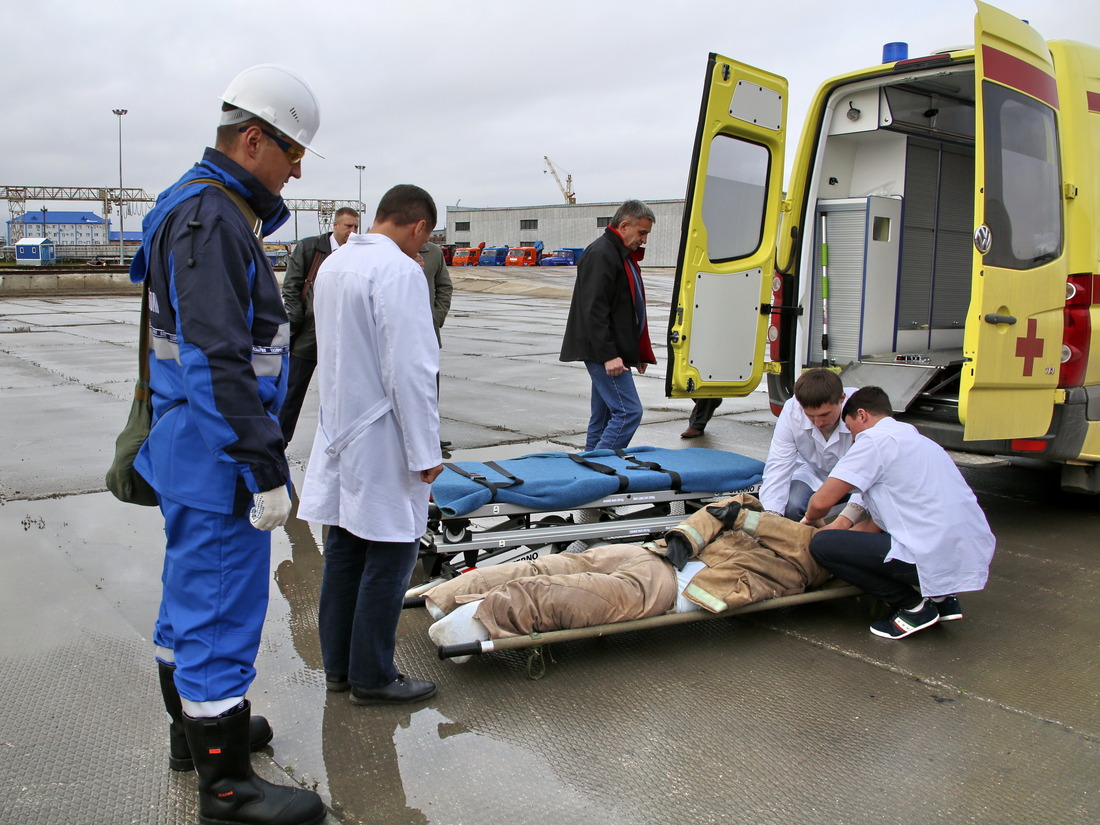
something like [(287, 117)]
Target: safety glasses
[(294, 153)]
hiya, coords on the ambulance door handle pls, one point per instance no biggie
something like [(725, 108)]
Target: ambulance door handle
[(994, 318)]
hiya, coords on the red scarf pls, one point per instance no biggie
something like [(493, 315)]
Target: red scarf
[(632, 264)]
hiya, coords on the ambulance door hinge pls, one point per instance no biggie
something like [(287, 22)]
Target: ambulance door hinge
[(768, 309), (1069, 191)]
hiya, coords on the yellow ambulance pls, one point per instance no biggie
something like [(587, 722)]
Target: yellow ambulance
[(939, 237)]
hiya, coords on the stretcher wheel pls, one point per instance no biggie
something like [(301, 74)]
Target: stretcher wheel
[(549, 521), (455, 533)]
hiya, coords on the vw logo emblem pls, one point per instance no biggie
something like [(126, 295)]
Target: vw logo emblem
[(983, 239)]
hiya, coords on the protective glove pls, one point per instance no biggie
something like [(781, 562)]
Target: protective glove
[(679, 549), (270, 509), (727, 514)]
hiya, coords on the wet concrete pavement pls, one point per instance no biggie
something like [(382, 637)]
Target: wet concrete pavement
[(790, 716)]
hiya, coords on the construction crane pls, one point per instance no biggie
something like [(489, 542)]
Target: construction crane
[(567, 189)]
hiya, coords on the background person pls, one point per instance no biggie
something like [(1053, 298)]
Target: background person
[(301, 270), (607, 327), (440, 289), (701, 413), (376, 451), (215, 451), (927, 539)]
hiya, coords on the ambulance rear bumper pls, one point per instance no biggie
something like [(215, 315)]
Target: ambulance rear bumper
[(1063, 442)]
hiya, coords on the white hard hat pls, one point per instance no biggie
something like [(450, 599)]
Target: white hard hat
[(277, 95)]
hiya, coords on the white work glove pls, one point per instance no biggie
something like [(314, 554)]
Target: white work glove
[(270, 509)]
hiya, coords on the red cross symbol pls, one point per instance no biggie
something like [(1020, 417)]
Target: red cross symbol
[(1029, 347)]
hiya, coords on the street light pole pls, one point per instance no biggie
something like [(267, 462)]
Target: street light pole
[(120, 113), (360, 167)]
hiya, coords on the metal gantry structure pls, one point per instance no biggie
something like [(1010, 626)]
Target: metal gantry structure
[(138, 199)]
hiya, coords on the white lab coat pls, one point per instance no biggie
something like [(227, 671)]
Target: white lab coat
[(377, 362), (914, 492), (799, 452)]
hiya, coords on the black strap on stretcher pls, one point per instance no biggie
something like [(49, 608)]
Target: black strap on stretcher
[(650, 465), (624, 481), (480, 479)]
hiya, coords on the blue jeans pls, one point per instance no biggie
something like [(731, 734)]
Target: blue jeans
[(616, 409), (798, 500), (362, 591), (217, 572), (860, 559)]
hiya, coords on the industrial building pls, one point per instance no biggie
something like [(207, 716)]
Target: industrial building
[(561, 225), (64, 228)]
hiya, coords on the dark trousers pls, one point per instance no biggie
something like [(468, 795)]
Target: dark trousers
[(362, 591), (860, 559), (702, 411), (297, 382)]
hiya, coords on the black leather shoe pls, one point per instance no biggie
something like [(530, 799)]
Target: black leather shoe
[(337, 684), (402, 689)]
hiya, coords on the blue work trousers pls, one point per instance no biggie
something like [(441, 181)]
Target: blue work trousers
[(362, 591), (217, 571), (616, 409)]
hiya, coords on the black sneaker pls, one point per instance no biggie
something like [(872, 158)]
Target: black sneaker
[(949, 608), (906, 622)]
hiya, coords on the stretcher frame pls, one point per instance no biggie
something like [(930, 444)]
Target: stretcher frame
[(536, 642), (608, 519)]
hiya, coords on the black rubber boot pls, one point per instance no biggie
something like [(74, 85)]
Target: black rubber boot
[(230, 793), (179, 754)]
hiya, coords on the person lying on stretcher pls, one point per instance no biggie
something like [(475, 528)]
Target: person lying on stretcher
[(723, 556)]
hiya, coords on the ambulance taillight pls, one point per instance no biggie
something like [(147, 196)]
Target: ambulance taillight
[(1077, 331), (774, 318)]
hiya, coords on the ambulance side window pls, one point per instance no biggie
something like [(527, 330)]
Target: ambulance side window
[(734, 197), (1023, 204)]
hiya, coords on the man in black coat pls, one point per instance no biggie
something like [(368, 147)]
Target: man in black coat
[(607, 327), (301, 269)]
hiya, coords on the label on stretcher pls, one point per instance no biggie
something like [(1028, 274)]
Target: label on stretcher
[(522, 553)]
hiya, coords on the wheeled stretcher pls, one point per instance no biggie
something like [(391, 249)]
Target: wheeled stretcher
[(488, 512), (491, 512)]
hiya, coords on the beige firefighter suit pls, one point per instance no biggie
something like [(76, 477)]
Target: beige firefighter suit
[(762, 557)]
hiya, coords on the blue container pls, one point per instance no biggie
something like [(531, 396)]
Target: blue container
[(893, 52)]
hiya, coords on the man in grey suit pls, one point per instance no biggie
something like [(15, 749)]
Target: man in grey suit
[(440, 289), (301, 269)]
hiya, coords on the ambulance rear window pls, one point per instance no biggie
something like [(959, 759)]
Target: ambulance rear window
[(1023, 204), (734, 198)]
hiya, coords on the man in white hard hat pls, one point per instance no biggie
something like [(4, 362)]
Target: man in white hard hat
[(215, 455)]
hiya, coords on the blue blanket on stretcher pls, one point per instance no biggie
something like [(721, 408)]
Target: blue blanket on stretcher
[(554, 481)]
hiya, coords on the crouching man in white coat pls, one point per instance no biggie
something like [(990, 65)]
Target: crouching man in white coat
[(376, 451)]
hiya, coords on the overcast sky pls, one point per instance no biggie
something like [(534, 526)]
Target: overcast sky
[(462, 97)]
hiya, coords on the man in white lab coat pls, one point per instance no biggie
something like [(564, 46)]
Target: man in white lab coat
[(376, 451), (925, 538), (810, 438)]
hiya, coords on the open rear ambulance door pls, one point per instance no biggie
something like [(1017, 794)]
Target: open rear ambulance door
[(724, 271), (1013, 335)]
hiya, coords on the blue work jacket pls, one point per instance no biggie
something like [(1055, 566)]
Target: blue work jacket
[(219, 341)]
